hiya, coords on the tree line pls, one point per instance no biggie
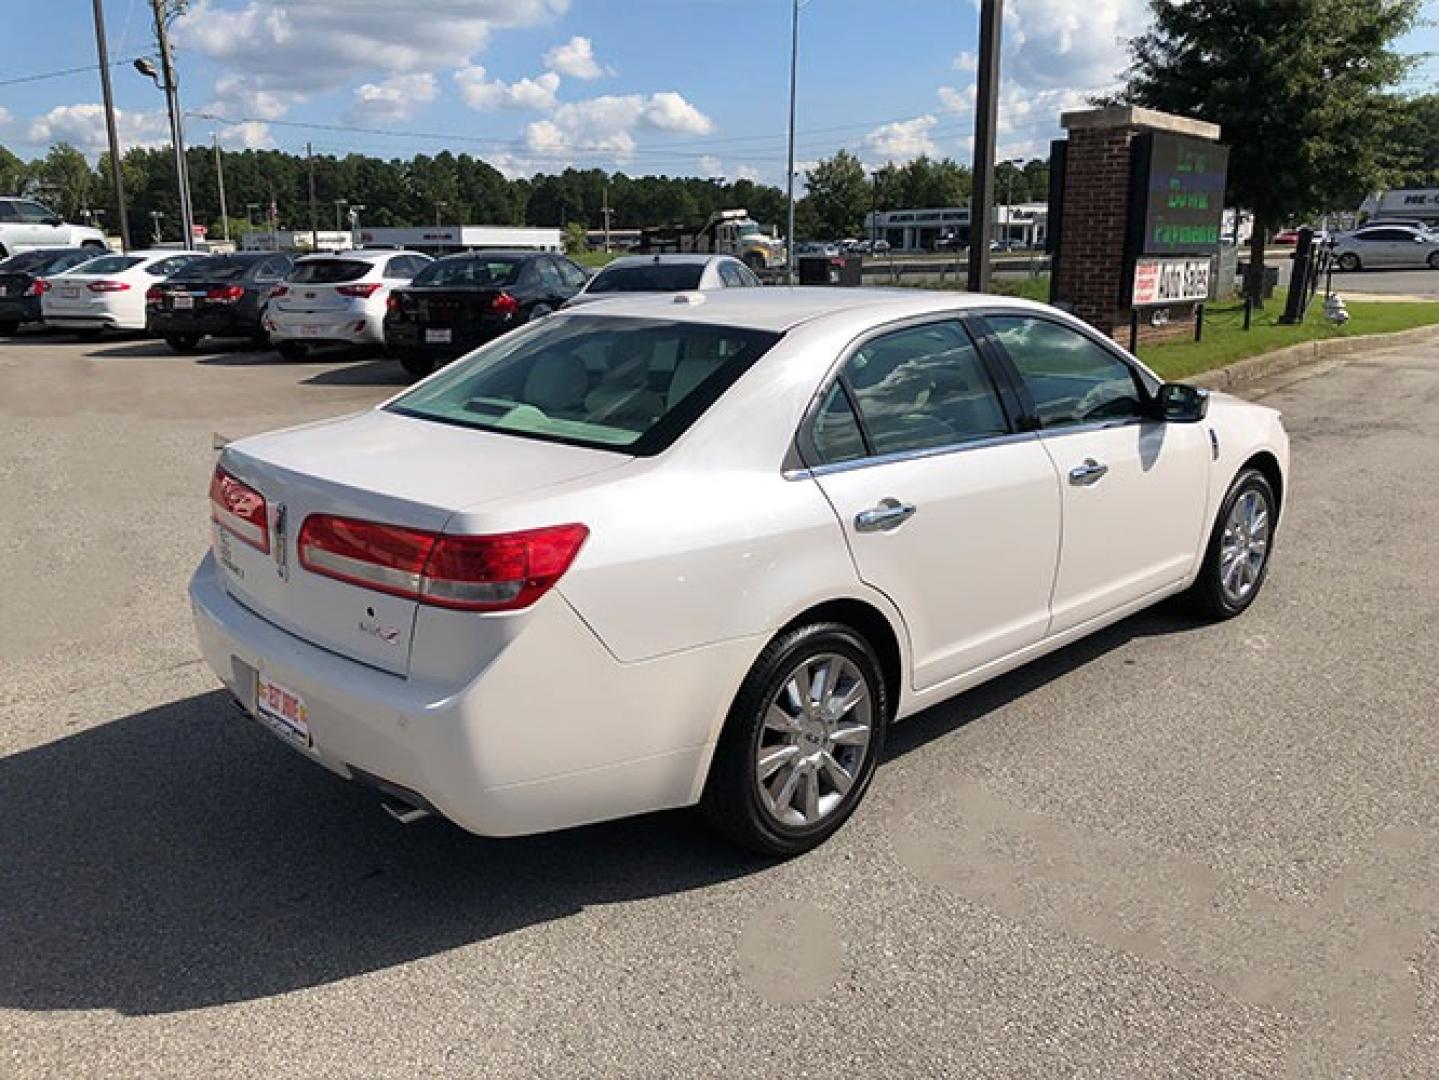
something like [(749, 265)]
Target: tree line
[(464, 189)]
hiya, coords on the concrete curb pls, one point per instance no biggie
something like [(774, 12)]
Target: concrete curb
[(1245, 372)]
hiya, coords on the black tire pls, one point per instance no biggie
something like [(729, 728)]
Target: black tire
[(1434, 260), (1350, 262), (1208, 595), (539, 311), (87, 335), (183, 343), (8, 328), (732, 803), (416, 365), (293, 350)]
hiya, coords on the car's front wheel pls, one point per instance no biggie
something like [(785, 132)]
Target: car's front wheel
[(1349, 261), (801, 742), (1434, 260), (416, 365), (8, 328), (183, 343), (1237, 560)]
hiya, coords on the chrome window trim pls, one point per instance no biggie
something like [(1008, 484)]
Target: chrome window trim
[(829, 469)]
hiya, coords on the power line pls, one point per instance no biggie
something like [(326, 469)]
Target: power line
[(63, 72)]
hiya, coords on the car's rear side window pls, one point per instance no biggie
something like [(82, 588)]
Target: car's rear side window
[(652, 277), (329, 271), (111, 264), (616, 383), (215, 268), (473, 272)]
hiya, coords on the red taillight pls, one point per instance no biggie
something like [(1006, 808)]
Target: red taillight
[(392, 302), (239, 509), (108, 286), (227, 294), (38, 287), (504, 304), (470, 573), (154, 294), (364, 292)]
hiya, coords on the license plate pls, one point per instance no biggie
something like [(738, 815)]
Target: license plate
[(282, 711), (70, 292), (183, 303), (437, 337), (310, 331)]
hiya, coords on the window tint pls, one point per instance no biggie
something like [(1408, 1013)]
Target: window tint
[(632, 384), (30, 262), (216, 268), (922, 388), (648, 277), (273, 269), (749, 277), (328, 271), (574, 277), (1386, 235), (166, 267), (110, 264), (550, 275), (836, 429), (1072, 379), (8, 212), (730, 275), (477, 272), (61, 263), (33, 212)]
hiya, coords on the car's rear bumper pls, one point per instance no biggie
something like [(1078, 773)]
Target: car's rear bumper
[(349, 327), (515, 751), (203, 323), (408, 339), (89, 320), (19, 309)]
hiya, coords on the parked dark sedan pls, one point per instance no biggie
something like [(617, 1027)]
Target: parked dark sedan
[(462, 301), (23, 279), (222, 296)]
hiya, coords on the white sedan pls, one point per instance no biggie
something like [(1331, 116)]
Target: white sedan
[(651, 274), (108, 293), (705, 549), (337, 299)]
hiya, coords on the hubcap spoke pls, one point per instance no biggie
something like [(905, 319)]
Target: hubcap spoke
[(851, 735), (1244, 545), (838, 778), (811, 795), (777, 757), (776, 719)]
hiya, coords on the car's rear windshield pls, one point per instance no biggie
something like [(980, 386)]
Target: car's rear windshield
[(30, 261), (108, 264), (655, 277), (625, 384), (328, 271), (215, 268), (482, 272)]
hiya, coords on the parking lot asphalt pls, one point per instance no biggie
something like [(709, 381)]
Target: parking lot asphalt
[(1173, 850)]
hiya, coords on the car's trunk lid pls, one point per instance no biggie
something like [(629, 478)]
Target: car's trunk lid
[(380, 467)]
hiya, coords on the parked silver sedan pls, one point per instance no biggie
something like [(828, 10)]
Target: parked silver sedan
[(1387, 246)]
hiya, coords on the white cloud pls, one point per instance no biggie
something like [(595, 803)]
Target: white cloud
[(966, 61), (1069, 43), (711, 166), (479, 93), (903, 139), (83, 127), (575, 58), (321, 46), (747, 172), (1027, 117), (250, 135), (397, 98), (5, 116), (609, 123)]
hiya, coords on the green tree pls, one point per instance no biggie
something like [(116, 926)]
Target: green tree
[(13, 173), (1411, 143), (575, 242), (1296, 86), (67, 181), (839, 193)]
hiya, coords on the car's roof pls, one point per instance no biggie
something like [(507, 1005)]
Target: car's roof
[(490, 253), (359, 255), (781, 308), (685, 258)]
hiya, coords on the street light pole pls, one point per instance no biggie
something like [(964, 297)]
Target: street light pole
[(789, 175), (117, 180), (986, 117), (163, 13), (220, 182)]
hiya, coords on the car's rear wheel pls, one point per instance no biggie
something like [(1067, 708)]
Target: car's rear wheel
[(293, 350), (801, 742), (1237, 560), (1434, 260), (418, 366), (8, 328), (183, 343), (1349, 261)]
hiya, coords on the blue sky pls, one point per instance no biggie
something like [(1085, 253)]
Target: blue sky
[(673, 86)]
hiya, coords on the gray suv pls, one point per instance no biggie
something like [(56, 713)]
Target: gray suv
[(26, 225)]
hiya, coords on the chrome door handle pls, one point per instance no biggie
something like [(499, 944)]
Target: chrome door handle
[(1091, 472), (889, 514)]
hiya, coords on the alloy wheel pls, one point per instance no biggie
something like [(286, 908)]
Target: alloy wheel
[(814, 739), (1244, 546)]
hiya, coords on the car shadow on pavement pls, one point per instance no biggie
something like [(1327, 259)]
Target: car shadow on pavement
[(372, 372), (180, 858)]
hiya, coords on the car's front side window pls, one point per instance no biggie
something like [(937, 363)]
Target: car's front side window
[(34, 213), (922, 388), (1071, 379)]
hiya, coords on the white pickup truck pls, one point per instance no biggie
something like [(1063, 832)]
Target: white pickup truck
[(26, 224)]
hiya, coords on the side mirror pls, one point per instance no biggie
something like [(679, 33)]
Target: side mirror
[(1182, 404)]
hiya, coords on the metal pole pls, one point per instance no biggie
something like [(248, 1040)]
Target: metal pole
[(986, 119), (314, 210), (793, 87), (177, 137), (1134, 331), (117, 180), (220, 181), (606, 213)]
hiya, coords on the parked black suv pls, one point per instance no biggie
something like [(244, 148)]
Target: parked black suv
[(222, 296)]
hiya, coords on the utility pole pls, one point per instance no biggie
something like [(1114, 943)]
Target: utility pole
[(165, 11), (117, 181), (314, 209), (339, 203), (438, 207), (220, 181), (789, 174), (986, 118), (606, 212)]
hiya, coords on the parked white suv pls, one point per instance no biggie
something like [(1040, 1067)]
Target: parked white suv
[(337, 298), (26, 225)]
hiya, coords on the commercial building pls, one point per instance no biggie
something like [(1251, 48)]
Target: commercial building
[(933, 228), (436, 240)]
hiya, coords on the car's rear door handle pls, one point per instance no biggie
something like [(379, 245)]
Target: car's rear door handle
[(1091, 472), (889, 514)]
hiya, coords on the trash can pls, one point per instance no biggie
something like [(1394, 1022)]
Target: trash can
[(844, 270)]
